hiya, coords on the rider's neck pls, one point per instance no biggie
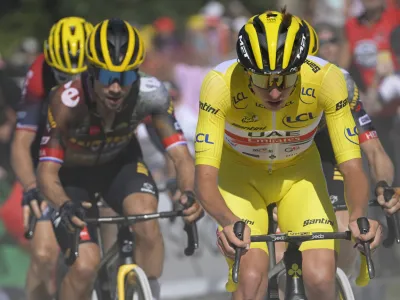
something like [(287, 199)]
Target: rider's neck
[(107, 116)]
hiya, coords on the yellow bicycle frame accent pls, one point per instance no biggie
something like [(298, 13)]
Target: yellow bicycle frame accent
[(363, 276), (123, 271)]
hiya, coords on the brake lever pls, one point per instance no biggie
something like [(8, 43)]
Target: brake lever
[(238, 229), (394, 228), (363, 226), (72, 253), (31, 229)]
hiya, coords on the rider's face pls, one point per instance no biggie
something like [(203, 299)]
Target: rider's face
[(273, 90), (273, 99), (111, 96)]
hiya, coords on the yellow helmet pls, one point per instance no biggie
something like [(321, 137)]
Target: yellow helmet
[(273, 43), (116, 46), (64, 48), (314, 41)]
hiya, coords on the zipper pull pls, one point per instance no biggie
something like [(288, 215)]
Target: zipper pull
[(270, 169)]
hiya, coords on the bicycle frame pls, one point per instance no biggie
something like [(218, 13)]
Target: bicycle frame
[(122, 249), (292, 262)]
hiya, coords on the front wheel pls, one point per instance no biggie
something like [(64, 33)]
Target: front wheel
[(136, 285), (344, 286)]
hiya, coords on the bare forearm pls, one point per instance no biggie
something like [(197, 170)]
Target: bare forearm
[(170, 168), (382, 170), (356, 192), (210, 197), (22, 164), (381, 167), (52, 189), (214, 204), (185, 173)]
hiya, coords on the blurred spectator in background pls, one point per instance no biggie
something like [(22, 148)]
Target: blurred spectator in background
[(388, 99), (165, 39), (366, 51), (388, 93), (9, 100), (338, 11), (329, 42), (21, 60), (366, 42)]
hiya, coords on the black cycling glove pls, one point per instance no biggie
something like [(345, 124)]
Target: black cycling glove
[(29, 196), (64, 229)]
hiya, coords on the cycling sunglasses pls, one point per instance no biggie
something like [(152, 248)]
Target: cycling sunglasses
[(109, 77), (62, 77), (279, 82)]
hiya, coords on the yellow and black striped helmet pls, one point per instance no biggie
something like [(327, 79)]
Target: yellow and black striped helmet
[(115, 45), (273, 43), (314, 41), (64, 49)]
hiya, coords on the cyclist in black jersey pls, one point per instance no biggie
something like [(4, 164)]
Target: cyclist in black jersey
[(381, 167), (90, 146), (54, 66)]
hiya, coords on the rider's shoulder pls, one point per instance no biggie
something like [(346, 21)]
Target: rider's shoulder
[(224, 76), (151, 89), (69, 95), (314, 66), (317, 71), (349, 80), (227, 68), (37, 64), (33, 84)]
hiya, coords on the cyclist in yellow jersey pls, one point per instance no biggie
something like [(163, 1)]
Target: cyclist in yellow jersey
[(381, 167), (254, 146)]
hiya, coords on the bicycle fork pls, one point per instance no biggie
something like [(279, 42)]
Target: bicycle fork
[(126, 265)]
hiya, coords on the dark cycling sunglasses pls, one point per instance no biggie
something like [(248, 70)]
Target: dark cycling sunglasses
[(62, 77), (277, 81), (109, 77)]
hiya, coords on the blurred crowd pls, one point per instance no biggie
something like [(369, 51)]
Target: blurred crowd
[(361, 36)]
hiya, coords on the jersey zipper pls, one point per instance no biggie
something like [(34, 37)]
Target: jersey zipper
[(274, 144)]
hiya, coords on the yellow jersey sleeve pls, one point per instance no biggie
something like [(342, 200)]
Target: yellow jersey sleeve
[(214, 105), (342, 128)]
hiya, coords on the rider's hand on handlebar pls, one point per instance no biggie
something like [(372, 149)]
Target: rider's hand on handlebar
[(72, 214), (32, 200), (374, 235), (393, 205), (194, 212), (227, 238)]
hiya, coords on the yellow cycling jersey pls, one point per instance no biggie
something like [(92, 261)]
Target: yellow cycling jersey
[(233, 120)]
